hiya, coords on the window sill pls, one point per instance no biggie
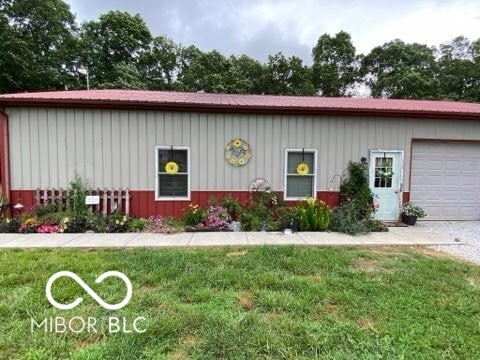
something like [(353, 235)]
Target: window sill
[(172, 198), (299, 198)]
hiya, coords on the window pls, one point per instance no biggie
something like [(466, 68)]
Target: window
[(300, 186), (172, 186), (383, 172)]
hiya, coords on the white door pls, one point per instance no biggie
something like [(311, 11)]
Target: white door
[(445, 179), (386, 167)]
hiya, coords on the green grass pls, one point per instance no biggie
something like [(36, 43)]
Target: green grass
[(252, 303)]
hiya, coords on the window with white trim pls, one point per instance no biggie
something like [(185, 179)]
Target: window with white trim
[(173, 173), (300, 173)]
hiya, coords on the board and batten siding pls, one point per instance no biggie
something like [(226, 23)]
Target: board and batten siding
[(116, 148)]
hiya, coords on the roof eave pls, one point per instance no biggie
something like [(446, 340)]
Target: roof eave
[(266, 109)]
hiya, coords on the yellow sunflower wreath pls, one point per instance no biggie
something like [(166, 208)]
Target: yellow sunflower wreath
[(302, 169), (237, 143), (171, 168)]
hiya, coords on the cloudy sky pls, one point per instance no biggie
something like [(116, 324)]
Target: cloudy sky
[(261, 27)]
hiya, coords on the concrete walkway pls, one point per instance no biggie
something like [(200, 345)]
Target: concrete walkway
[(396, 236)]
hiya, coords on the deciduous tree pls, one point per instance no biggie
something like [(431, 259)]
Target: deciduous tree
[(37, 43), (400, 70), (113, 42), (335, 64), (287, 76)]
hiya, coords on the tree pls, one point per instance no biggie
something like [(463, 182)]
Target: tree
[(203, 71), (335, 64), (37, 43), (459, 70), (399, 70), (244, 75), (287, 76), (115, 41), (159, 65)]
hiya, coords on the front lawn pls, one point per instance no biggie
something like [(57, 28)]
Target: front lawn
[(247, 303)]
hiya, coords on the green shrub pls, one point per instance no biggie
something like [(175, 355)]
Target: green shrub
[(194, 215), (252, 220), (96, 223), (137, 224), (288, 217), (313, 215), (355, 189), (74, 224), (346, 218), (9, 226), (263, 211), (78, 191), (46, 209), (117, 223), (233, 206), (54, 217), (355, 214), (375, 225)]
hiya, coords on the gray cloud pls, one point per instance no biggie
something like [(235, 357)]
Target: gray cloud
[(260, 28), (271, 40)]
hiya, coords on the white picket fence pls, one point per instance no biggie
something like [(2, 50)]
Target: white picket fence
[(110, 200)]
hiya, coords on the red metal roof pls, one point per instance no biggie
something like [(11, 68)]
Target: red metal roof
[(140, 99)]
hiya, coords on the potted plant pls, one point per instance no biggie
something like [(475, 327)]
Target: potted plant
[(410, 213)]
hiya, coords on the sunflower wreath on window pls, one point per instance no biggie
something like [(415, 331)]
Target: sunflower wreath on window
[(238, 152), (171, 168), (302, 169)]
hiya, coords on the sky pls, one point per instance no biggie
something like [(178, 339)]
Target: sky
[(261, 27)]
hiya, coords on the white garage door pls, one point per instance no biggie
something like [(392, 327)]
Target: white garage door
[(445, 179)]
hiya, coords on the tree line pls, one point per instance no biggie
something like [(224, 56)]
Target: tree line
[(42, 48)]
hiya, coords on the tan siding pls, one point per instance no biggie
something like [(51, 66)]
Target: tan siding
[(117, 148)]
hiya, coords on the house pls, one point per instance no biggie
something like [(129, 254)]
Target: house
[(172, 148)]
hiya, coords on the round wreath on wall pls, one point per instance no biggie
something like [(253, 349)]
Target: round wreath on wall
[(238, 152)]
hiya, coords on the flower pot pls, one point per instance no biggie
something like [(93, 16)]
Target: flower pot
[(409, 219)]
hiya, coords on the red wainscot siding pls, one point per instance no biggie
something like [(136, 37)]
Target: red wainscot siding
[(143, 204), (25, 197)]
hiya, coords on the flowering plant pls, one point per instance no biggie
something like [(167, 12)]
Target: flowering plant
[(48, 229), (64, 225), (217, 217), (162, 225), (409, 209), (117, 223), (29, 225), (314, 215), (194, 215)]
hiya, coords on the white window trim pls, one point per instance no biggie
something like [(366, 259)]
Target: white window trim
[(314, 151), (157, 171)]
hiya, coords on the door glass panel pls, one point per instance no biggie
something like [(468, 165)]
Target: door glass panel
[(383, 172)]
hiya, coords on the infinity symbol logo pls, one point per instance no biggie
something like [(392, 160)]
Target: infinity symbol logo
[(88, 289)]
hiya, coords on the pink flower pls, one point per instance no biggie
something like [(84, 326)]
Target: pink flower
[(48, 229)]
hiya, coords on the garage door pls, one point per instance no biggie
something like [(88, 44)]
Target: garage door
[(445, 179)]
